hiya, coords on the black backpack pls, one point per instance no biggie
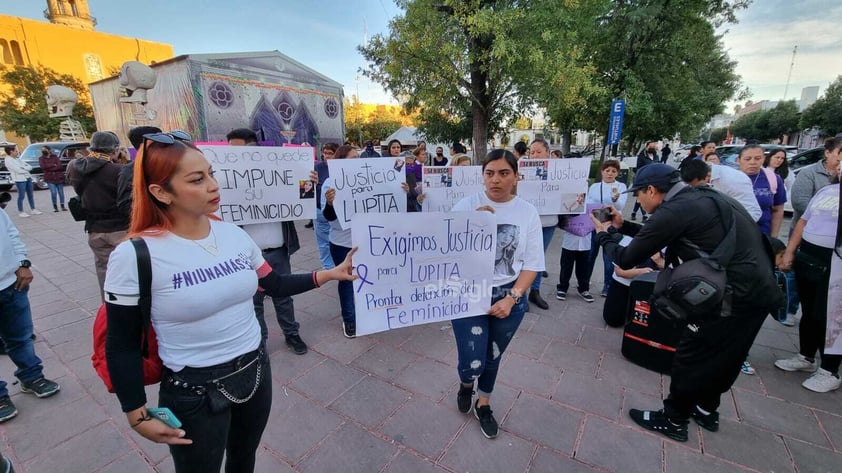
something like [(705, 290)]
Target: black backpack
[(698, 289)]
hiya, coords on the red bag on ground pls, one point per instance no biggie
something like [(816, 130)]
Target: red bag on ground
[(152, 364)]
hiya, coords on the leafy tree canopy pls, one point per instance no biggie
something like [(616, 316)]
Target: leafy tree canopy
[(826, 113), (23, 106)]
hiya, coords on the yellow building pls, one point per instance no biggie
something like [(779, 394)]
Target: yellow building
[(69, 44)]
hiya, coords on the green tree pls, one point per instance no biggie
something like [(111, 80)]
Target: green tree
[(23, 107), (665, 59), (783, 120), (826, 113), (452, 61), (718, 134)]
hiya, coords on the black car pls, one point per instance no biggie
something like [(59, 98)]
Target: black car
[(806, 158), (65, 150)]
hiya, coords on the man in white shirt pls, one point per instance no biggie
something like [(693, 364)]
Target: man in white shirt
[(724, 179), (278, 241)]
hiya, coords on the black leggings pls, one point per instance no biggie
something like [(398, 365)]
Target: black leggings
[(812, 277)]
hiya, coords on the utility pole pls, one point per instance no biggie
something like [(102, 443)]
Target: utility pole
[(789, 76)]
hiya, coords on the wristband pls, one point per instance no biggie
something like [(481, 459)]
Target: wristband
[(315, 280)]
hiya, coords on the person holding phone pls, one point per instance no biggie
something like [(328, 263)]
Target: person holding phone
[(216, 378), (609, 191)]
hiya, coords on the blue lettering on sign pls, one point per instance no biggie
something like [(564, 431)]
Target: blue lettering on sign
[(615, 121)]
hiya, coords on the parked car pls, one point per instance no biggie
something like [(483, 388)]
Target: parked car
[(679, 154), (65, 150), (728, 153)]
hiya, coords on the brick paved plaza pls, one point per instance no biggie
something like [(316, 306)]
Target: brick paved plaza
[(386, 402)]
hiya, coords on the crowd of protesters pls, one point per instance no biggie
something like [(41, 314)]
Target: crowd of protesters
[(167, 197)]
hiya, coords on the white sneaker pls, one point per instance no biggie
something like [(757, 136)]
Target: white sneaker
[(797, 363), (23, 215), (823, 381), (35, 212)]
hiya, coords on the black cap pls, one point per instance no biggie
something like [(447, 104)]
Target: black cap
[(655, 174)]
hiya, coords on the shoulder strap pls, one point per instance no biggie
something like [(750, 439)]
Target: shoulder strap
[(838, 245), (725, 251), (144, 275), (772, 178)]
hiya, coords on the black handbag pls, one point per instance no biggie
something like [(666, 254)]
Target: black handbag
[(698, 289), (77, 210)]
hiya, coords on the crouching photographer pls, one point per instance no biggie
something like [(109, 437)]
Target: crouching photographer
[(693, 224)]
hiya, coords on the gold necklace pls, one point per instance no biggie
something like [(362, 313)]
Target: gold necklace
[(209, 247)]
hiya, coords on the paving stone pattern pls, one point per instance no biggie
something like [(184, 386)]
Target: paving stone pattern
[(386, 402)]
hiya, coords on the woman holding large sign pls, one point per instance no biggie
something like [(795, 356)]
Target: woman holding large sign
[(481, 340)]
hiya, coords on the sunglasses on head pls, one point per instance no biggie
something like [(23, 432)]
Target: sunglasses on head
[(168, 138)]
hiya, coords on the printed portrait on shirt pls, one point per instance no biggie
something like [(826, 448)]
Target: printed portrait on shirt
[(508, 237)]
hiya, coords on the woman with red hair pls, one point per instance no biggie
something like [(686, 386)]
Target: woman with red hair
[(216, 377)]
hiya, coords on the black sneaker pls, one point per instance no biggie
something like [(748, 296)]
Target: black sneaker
[(349, 329), (634, 216), (706, 421), (586, 296), (545, 274), (296, 344), (308, 224), (7, 409), (41, 387), (561, 295), (535, 298), (487, 422), (656, 421), (463, 398)]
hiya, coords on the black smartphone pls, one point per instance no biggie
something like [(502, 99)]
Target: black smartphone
[(603, 215)]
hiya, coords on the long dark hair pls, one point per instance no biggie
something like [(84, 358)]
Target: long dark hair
[(783, 169)]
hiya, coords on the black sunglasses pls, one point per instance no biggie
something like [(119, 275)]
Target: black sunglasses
[(168, 138)]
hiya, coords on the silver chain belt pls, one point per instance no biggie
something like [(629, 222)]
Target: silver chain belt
[(221, 386)]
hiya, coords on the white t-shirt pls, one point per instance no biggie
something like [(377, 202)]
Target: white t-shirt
[(338, 236), (266, 235), (600, 193), (202, 308), (736, 184), (520, 240)]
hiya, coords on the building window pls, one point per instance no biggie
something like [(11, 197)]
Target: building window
[(7, 54), (73, 8), (93, 66), (16, 54)]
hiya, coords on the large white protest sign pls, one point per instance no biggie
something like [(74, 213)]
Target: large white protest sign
[(554, 186), (366, 186), (833, 332), (423, 268), (261, 184), (443, 186)]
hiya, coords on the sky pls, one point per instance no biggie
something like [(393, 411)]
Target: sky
[(324, 34)]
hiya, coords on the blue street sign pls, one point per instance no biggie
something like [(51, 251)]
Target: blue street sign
[(615, 121)]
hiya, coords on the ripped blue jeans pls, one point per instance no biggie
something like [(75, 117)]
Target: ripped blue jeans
[(481, 341)]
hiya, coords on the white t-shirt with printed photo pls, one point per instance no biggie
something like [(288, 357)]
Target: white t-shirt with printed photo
[(520, 240), (202, 308)]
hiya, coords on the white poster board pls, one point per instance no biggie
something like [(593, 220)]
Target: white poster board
[(443, 186), (833, 331), (366, 186), (422, 268), (554, 186), (261, 184)]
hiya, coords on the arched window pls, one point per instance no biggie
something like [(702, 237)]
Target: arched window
[(73, 8), (16, 54), (7, 54)]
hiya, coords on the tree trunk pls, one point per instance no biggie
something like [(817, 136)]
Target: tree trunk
[(566, 138)]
